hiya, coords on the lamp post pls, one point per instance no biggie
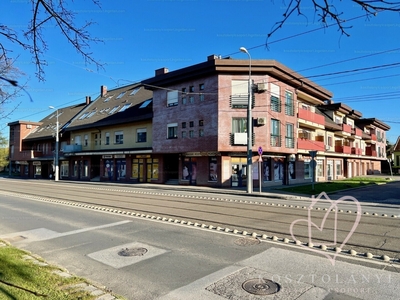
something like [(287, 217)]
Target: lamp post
[(249, 130), (56, 150)]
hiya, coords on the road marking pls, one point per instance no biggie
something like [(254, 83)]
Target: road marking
[(42, 234)]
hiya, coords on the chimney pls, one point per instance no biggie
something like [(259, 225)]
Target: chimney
[(88, 100), (212, 57), (103, 90), (161, 71)]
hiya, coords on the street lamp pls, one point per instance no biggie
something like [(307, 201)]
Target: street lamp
[(249, 130), (56, 150)]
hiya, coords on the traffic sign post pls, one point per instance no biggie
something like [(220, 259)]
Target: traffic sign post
[(313, 164), (260, 152)]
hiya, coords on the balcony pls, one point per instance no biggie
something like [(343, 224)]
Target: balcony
[(343, 149), (310, 118), (356, 132), (356, 151), (304, 144), (370, 152), (346, 130), (72, 148), (28, 154)]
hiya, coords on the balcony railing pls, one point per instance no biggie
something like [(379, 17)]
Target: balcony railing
[(304, 144), (343, 149), (370, 152), (356, 151), (28, 154), (275, 140), (72, 148), (346, 128), (356, 132), (311, 116)]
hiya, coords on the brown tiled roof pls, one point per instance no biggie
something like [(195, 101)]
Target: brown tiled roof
[(48, 127), (396, 147), (118, 106)]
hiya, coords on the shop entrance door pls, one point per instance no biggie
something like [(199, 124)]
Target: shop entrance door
[(239, 171)]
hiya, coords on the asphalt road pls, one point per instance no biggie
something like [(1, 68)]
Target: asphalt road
[(143, 258), (376, 234)]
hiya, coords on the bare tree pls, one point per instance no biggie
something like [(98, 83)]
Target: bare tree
[(328, 11), (33, 38), (9, 87)]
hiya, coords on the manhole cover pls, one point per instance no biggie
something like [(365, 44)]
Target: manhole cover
[(132, 252), (247, 241), (260, 286)]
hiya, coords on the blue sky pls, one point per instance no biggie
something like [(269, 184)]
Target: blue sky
[(141, 36)]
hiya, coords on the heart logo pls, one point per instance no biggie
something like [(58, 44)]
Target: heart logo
[(311, 225)]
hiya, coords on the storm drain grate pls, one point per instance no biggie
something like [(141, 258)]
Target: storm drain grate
[(260, 286), (132, 252)]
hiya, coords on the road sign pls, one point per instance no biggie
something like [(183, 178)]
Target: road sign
[(260, 151), (313, 153)]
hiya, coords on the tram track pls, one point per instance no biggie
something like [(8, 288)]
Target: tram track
[(373, 234)]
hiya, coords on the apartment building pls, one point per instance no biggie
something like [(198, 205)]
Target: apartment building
[(108, 139), (189, 127)]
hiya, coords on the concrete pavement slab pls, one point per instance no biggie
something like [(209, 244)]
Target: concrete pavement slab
[(299, 275)]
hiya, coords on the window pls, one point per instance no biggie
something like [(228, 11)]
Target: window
[(275, 133), (329, 141), (275, 98), (191, 124), (183, 134), (91, 114), (320, 168), (201, 132), (64, 169), (191, 89), (201, 86), (134, 91), (146, 103), (239, 125), (191, 99), (86, 138), (172, 98), (113, 110), (191, 133), (289, 142), (183, 124), (83, 116), (338, 166), (141, 135), (201, 122), (152, 168), (289, 108), (307, 170), (107, 141), (239, 94), (184, 100), (108, 99), (184, 90), (201, 97), (77, 140), (119, 137), (120, 95), (125, 107), (97, 139), (172, 130)]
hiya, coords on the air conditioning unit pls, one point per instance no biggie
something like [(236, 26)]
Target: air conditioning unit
[(261, 87), (261, 121)]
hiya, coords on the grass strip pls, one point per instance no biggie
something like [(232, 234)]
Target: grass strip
[(335, 186)]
